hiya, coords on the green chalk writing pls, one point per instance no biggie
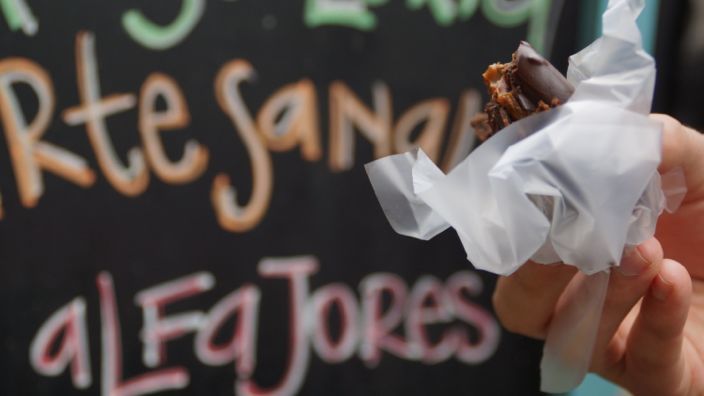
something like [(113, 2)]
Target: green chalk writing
[(467, 8), (535, 12), (355, 14), (19, 16), (159, 37), (446, 12), (348, 13), (503, 13)]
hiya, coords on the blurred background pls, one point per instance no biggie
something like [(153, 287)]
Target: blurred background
[(184, 204)]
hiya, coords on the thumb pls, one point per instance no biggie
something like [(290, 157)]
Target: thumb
[(655, 342)]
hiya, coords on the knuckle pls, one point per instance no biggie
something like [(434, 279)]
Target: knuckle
[(670, 124), (609, 361)]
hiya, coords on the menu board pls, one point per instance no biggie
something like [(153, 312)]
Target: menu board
[(185, 210)]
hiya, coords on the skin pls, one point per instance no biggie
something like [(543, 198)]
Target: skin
[(651, 334)]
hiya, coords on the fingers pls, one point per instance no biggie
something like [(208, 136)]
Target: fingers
[(525, 300), (682, 147), (681, 232), (655, 341), (627, 284), (633, 344), (677, 150)]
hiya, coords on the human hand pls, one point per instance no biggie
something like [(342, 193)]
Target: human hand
[(650, 335)]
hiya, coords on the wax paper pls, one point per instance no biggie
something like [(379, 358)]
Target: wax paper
[(576, 184)]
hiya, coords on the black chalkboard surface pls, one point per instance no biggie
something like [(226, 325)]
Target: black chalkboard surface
[(185, 211)]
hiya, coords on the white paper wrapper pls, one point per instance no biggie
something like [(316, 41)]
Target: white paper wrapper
[(575, 184)]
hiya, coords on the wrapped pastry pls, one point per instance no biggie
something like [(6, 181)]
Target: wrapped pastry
[(575, 183)]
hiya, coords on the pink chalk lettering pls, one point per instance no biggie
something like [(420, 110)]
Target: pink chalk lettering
[(296, 270), (323, 300), (158, 329), (112, 383), (429, 303), (474, 315), (243, 303), (71, 320), (378, 325)]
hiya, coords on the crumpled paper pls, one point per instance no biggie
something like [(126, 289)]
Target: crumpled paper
[(575, 184)]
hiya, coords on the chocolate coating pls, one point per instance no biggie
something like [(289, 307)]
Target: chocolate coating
[(527, 85), (538, 78)]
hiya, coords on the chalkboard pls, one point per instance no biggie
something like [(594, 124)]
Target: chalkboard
[(185, 210)]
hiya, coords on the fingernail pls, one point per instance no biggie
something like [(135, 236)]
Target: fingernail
[(661, 288), (633, 262)]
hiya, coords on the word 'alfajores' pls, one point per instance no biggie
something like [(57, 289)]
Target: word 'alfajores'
[(368, 326)]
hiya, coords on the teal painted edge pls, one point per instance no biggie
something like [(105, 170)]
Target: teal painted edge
[(595, 385), (590, 22), (648, 24)]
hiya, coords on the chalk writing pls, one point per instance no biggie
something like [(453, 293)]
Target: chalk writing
[(351, 13), (504, 13), (230, 215), (347, 112), (158, 329), (158, 37), (132, 179), (298, 124), (19, 16), (317, 119), (241, 348), (289, 119), (74, 347), (369, 325), (340, 295), (111, 363), (446, 12), (28, 153), (151, 122)]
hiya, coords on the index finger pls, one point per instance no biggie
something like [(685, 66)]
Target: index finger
[(525, 300)]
